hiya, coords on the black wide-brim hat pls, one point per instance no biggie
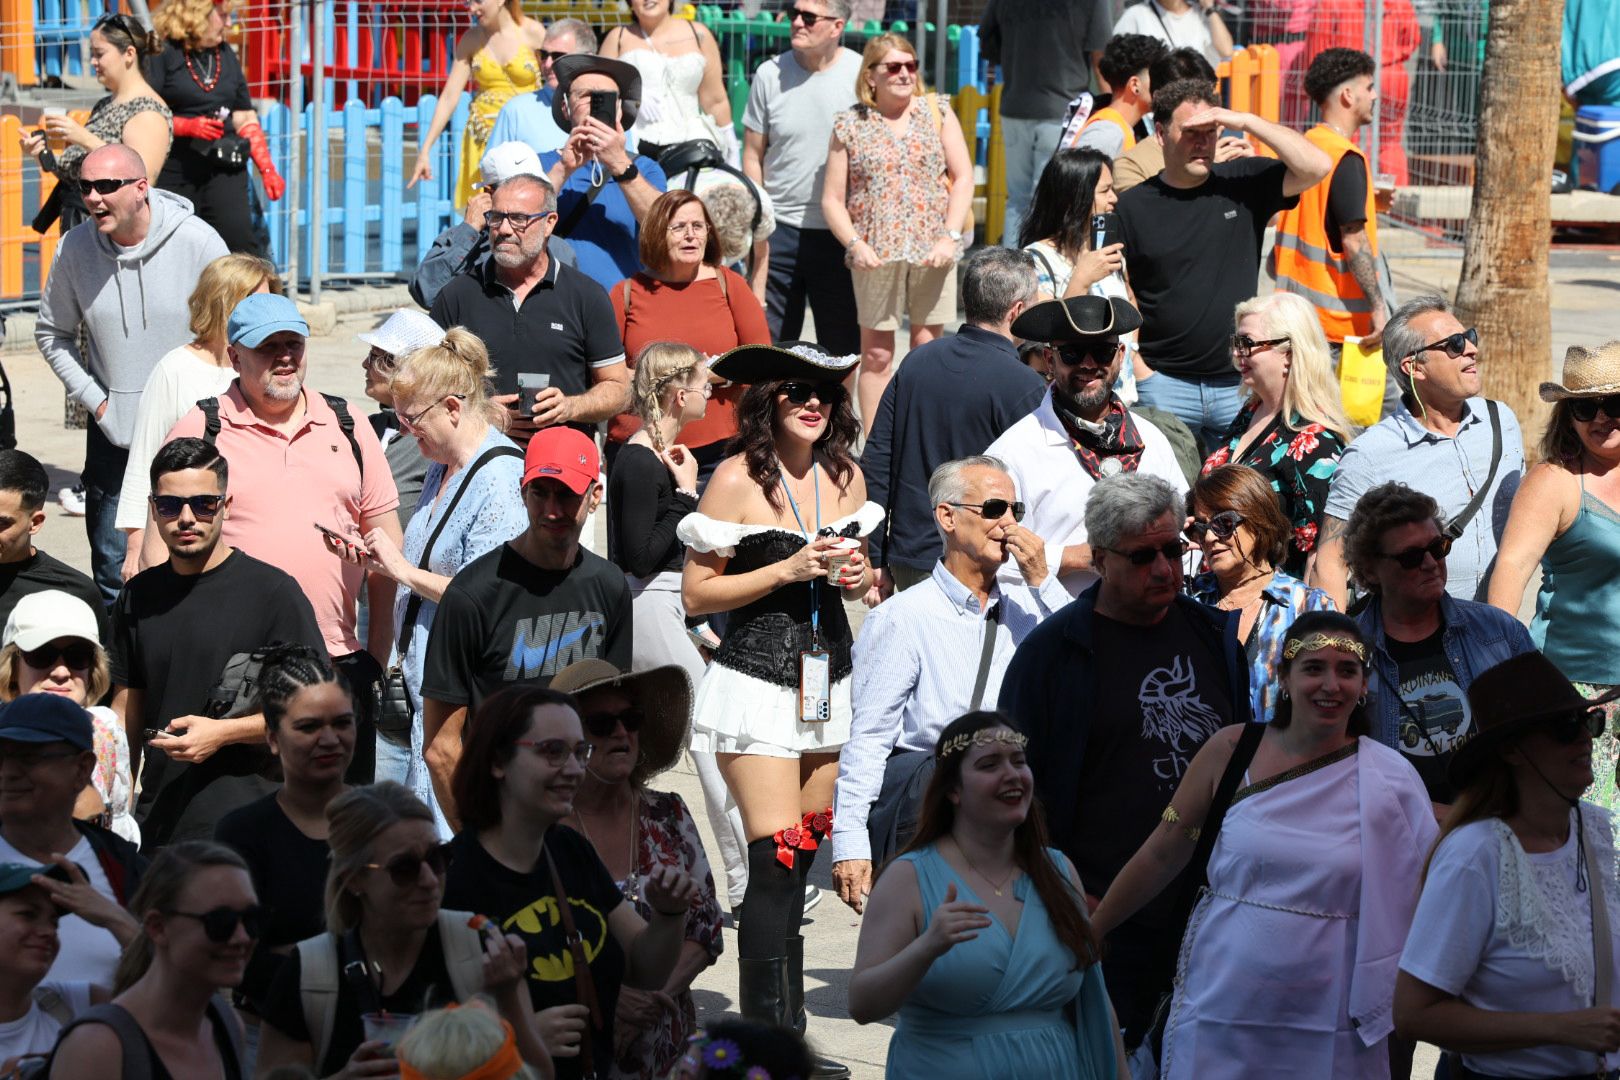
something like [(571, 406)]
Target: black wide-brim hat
[(570, 67), (1079, 318), (1510, 699), (802, 361), (664, 695)]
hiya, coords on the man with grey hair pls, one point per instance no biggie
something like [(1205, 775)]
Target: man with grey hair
[(931, 654), (563, 326), (1445, 439), (527, 117), (1117, 692), (952, 397)]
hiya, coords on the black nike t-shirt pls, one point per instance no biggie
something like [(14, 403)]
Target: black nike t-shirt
[(525, 904), (1434, 712), (505, 621)]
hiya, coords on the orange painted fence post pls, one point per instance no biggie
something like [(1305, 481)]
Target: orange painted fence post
[(1253, 79), (16, 231)]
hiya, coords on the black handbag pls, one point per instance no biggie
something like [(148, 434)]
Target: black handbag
[(228, 153)]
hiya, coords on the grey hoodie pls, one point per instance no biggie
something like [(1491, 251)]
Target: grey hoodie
[(131, 301)]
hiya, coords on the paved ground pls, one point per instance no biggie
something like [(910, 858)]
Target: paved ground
[(1584, 295)]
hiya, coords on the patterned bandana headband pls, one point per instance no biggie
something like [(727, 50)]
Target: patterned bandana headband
[(982, 737), (1312, 642)]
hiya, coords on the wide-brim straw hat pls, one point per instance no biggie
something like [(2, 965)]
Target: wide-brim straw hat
[(1587, 373), (1510, 699), (803, 361), (664, 695)]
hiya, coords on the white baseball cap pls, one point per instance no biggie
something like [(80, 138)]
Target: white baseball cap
[(42, 617), (405, 331), (507, 160)]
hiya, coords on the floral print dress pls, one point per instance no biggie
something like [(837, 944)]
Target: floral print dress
[(896, 194), (1299, 460)]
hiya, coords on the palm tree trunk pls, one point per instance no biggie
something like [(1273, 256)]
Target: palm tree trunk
[(1503, 289)]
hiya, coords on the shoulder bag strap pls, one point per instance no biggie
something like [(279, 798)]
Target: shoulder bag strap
[(1242, 755), (584, 986), (1036, 251), (318, 990), (1602, 943), (1455, 527), (577, 214), (346, 425), (991, 621)]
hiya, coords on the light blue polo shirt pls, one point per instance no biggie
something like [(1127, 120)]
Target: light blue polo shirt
[(1447, 469)]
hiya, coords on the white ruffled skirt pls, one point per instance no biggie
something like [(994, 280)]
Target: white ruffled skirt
[(739, 714)]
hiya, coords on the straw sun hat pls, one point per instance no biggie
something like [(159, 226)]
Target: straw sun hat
[(1587, 373), (664, 695)]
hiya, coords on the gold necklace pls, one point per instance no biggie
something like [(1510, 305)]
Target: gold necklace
[(994, 887)]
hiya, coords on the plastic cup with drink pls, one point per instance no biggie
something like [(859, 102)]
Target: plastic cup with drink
[(387, 1027), (53, 137)]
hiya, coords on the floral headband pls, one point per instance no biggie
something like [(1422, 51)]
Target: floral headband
[(1310, 643), (982, 737), (720, 1056)]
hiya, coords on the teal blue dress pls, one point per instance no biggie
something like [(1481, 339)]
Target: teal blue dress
[(1000, 1005)]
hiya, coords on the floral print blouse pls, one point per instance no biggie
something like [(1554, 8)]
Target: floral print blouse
[(1283, 600), (1299, 461), (897, 193), (667, 836)]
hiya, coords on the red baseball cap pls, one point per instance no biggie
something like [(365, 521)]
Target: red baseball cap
[(565, 454)]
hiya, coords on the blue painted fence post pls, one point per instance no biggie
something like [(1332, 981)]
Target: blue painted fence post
[(392, 225), (354, 186), (427, 191)]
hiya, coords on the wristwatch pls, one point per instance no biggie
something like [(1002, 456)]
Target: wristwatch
[(628, 175), (954, 234)]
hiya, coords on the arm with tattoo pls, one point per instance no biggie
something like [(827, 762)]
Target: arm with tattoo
[(1364, 267), (1328, 570)]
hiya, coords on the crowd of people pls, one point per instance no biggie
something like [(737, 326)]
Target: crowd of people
[(1161, 720)]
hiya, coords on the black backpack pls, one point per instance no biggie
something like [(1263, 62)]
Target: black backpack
[(210, 411)]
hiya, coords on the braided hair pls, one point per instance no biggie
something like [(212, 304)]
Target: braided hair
[(660, 366), (287, 669)]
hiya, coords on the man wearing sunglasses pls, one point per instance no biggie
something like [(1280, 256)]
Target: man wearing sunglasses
[(1427, 646), (208, 602), (121, 281), (1117, 692), (1444, 439)]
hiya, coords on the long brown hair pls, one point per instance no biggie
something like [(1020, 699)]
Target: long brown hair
[(937, 815), (756, 439), (1492, 793)]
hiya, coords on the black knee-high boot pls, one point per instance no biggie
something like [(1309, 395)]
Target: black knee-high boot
[(762, 937), (824, 1068)]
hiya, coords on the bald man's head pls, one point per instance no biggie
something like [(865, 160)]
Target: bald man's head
[(120, 159), (112, 181)]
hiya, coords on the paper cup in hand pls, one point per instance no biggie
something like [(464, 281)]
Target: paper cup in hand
[(387, 1027), (838, 555)]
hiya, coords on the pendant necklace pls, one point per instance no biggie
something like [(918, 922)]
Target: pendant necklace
[(211, 70), (994, 886)]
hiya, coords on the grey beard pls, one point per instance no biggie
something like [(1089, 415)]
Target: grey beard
[(1071, 407)]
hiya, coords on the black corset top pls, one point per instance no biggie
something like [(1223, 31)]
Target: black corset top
[(764, 639)]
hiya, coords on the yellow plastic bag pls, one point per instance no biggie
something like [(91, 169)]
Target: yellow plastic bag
[(1361, 383)]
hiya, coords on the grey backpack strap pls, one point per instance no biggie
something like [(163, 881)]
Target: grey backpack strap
[(318, 990), (132, 1044), (53, 1005), (463, 953)]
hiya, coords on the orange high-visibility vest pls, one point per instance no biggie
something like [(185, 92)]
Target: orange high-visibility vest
[(1112, 116), (1306, 262)]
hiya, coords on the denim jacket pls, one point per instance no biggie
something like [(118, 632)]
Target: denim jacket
[(1476, 638)]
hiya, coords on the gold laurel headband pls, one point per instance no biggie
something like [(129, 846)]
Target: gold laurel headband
[(983, 737), (1295, 646)]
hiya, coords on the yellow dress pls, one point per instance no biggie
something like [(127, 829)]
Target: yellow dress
[(497, 84)]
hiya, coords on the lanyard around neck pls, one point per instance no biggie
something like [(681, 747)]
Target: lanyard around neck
[(815, 594)]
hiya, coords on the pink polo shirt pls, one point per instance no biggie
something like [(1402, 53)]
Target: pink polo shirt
[(280, 487)]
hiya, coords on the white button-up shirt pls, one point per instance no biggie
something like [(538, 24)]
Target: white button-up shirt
[(916, 661)]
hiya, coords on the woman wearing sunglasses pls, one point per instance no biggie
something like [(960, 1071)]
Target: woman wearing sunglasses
[(897, 195), (637, 726), (389, 946), (199, 919), (1566, 516), (1292, 429), (52, 646), (523, 762), (1242, 534), (1519, 902)]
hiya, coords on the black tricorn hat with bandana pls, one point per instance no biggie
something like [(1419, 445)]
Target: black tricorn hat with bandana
[(1079, 318)]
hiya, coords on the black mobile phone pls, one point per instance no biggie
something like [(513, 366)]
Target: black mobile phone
[(1105, 230), (605, 107), (151, 733)]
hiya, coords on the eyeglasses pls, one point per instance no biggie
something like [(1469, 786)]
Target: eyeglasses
[(1454, 345), (30, 758), (809, 18), (220, 924), (1586, 409), (203, 506), (77, 654), (106, 186), (519, 222), (382, 361), (404, 870), (689, 228), (1172, 552), (556, 752), (895, 68), (1412, 557), (410, 420), (1100, 353), (1221, 526), (1568, 728), (800, 393), (994, 509), (1244, 346), (604, 724), (553, 55)]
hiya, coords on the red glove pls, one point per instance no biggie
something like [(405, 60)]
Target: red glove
[(199, 127), (259, 151)]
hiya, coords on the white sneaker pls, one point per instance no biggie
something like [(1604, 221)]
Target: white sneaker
[(72, 500), (812, 896)]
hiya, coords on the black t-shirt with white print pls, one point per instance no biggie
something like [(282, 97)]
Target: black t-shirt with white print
[(1434, 712)]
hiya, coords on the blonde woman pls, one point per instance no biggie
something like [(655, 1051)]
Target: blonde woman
[(1292, 429), (465, 1041), (199, 369), (471, 504), (501, 54), (898, 187)]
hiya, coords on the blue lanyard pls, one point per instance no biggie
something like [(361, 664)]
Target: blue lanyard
[(815, 594)]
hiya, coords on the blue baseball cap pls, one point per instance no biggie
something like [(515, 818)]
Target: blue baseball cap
[(260, 315), (43, 718), (15, 877)]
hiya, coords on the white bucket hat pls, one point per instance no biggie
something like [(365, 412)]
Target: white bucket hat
[(404, 332)]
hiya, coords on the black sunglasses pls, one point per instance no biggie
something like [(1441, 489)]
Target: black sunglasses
[(1244, 346), (1172, 552), (404, 870), (1412, 557), (106, 186), (1568, 728), (220, 924), (203, 506), (1221, 526), (604, 724), (800, 393), (1454, 345), (77, 654), (553, 55), (1586, 409), (809, 18), (1101, 353), (995, 509)]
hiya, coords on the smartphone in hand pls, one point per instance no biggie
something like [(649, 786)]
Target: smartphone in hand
[(530, 383), (605, 107)]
